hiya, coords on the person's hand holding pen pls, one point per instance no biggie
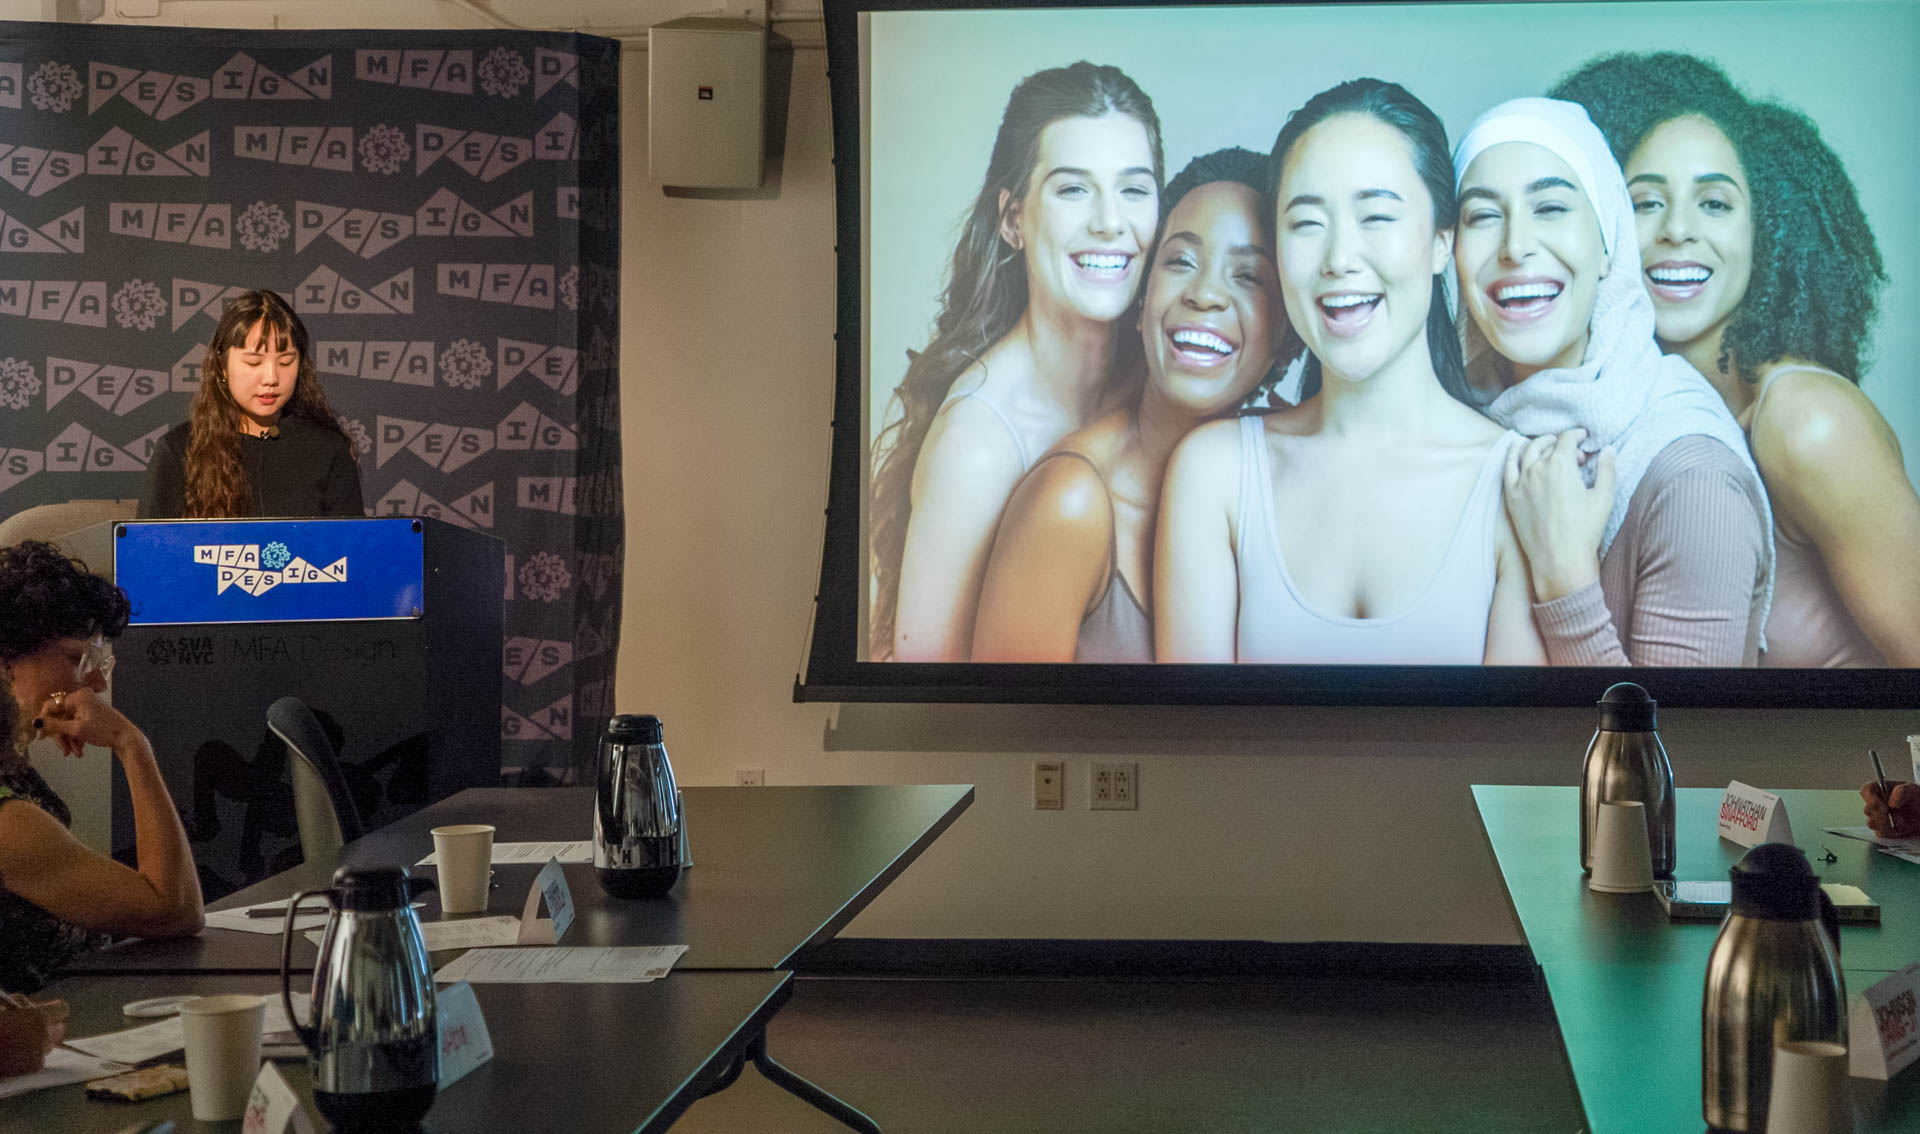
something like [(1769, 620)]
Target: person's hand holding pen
[(1895, 814)]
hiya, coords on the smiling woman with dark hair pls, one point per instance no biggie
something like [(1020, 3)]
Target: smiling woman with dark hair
[(1764, 274), (57, 898), (1362, 526), (1050, 260)]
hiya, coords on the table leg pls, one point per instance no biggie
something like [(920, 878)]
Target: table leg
[(787, 1080)]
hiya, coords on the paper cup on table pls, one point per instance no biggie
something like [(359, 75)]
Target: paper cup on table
[(223, 1053), (1809, 1089), (465, 857), (1622, 859)]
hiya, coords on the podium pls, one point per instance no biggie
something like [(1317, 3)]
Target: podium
[(390, 629)]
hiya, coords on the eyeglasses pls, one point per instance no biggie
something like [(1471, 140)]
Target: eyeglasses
[(98, 658)]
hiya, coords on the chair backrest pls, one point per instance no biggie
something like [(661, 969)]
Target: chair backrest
[(323, 808), (51, 521)]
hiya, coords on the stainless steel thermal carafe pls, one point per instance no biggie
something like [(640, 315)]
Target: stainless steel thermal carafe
[(636, 814), (1625, 762), (1773, 976), (373, 1045)]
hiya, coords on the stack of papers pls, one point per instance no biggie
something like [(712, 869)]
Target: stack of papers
[(635, 964), (62, 1067), (581, 851), (469, 933), (163, 1037)]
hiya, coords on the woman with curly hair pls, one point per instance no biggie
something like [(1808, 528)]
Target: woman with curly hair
[(260, 438), (1051, 257), (1072, 560), (57, 898), (1764, 274)]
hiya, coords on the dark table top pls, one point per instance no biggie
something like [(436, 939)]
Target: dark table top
[(776, 870), (1626, 980), (556, 1050)]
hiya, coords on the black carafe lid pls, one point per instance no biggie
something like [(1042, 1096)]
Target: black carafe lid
[(1626, 707), (1774, 881), (375, 888), (629, 728)]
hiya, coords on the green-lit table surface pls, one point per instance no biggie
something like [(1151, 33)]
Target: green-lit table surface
[(1626, 981)]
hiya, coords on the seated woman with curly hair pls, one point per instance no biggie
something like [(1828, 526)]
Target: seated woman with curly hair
[(1764, 274), (57, 898)]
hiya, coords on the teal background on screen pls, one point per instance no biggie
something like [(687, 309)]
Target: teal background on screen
[(1228, 76)]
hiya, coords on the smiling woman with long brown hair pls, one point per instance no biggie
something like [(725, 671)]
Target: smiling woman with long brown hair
[(260, 438)]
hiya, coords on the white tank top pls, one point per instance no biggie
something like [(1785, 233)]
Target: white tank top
[(1446, 625)]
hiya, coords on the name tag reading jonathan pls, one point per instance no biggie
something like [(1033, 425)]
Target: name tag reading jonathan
[(549, 889), (1749, 817), (1883, 1029), (273, 1108), (464, 1043)]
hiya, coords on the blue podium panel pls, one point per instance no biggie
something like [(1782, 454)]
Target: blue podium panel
[(217, 571)]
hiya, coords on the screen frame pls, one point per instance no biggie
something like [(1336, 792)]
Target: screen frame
[(834, 672)]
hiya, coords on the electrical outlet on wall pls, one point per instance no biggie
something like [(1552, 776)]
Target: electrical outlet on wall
[(1113, 786), (750, 777), (1049, 785)]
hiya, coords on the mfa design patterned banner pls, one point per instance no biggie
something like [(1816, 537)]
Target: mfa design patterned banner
[(441, 208)]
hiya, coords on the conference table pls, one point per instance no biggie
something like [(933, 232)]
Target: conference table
[(777, 870), (1626, 981)]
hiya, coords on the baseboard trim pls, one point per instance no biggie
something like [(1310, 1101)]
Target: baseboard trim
[(1030, 957)]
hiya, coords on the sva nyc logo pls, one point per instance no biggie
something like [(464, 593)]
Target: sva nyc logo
[(257, 570)]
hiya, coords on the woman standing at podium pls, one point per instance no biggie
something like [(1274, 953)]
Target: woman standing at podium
[(260, 438)]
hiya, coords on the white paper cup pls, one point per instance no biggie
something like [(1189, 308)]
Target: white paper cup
[(1622, 859), (223, 1053), (1809, 1089), (465, 855)]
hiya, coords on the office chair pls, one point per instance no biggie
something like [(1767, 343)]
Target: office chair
[(323, 808), (51, 521)]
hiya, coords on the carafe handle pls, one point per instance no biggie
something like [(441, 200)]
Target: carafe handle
[(309, 1035)]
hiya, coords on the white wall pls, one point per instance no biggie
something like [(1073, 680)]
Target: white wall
[(1274, 824)]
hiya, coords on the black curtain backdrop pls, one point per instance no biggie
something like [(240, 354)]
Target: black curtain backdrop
[(442, 208)]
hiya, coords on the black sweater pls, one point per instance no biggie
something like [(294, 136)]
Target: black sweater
[(306, 471)]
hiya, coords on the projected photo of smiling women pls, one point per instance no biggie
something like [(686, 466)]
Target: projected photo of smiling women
[(1363, 525), (1072, 563), (1765, 275), (1665, 557), (1051, 258)]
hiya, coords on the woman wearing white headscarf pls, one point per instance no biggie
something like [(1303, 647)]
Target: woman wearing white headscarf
[(1645, 524)]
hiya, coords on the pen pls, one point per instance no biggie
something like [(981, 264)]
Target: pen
[(1886, 793), (281, 911)]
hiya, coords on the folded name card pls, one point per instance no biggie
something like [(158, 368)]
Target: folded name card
[(1749, 817), (464, 1043), (1883, 1029), (549, 889), (273, 1108)]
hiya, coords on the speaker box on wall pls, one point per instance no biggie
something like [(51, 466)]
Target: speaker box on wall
[(706, 103)]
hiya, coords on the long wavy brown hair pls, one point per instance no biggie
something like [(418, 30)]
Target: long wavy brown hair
[(985, 295), (217, 482)]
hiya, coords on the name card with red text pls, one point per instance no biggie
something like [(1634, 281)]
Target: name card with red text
[(464, 1043), (1749, 817), (273, 1108), (550, 889), (1883, 1029)]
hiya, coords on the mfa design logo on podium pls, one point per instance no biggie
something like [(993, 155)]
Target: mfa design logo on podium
[(257, 570)]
